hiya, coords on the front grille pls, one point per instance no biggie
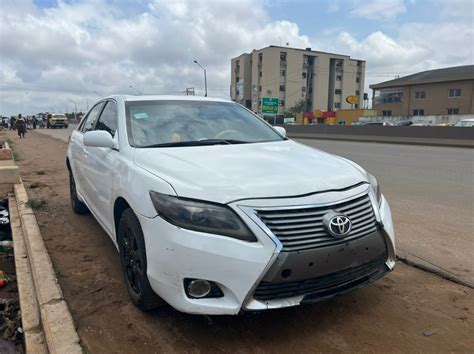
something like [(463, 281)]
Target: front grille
[(326, 285), (302, 228)]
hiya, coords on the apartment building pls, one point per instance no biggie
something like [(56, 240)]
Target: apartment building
[(298, 77), (434, 92)]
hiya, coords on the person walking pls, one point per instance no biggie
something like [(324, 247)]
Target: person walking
[(12, 123), (21, 126)]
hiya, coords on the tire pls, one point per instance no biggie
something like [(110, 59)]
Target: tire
[(77, 206), (133, 260)]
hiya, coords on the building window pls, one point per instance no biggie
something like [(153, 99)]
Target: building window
[(260, 89), (357, 92), (453, 110), (283, 56), (282, 72), (304, 75), (337, 91), (337, 104), (386, 113), (260, 73), (281, 103), (259, 102), (238, 93), (282, 87), (338, 77), (420, 95), (454, 93), (338, 63), (303, 89), (418, 112), (357, 79)]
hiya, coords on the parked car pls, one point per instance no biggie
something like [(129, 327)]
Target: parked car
[(466, 122), (57, 121), (214, 211), (366, 123)]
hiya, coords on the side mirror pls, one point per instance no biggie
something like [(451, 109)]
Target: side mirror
[(99, 138), (281, 131)]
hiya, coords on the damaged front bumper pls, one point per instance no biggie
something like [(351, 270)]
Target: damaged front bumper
[(266, 274)]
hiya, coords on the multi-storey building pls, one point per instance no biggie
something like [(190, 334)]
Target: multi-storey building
[(298, 77), (433, 92)]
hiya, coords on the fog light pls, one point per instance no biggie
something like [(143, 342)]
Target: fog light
[(199, 288)]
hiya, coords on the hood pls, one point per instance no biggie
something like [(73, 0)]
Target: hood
[(225, 173)]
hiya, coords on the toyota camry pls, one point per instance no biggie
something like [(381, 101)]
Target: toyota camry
[(214, 211)]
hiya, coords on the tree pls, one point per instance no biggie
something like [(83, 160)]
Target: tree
[(299, 107)]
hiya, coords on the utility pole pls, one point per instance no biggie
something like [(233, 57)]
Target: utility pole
[(205, 78)]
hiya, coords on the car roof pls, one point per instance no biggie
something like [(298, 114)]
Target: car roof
[(467, 120), (130, 98)]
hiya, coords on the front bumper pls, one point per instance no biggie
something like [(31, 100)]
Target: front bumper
[(250, 274)]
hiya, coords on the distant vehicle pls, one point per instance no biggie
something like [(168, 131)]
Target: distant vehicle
[(366, 123), (57, 121), (215, 211), (467, 122), (402, 123)]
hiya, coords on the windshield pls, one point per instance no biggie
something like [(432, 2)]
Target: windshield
[(174, 123), (59, 116)]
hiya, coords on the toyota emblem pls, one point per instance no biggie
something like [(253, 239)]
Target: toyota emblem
[(337, 224)]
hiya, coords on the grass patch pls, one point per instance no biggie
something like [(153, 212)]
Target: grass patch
[(16, 156), (36, 204)]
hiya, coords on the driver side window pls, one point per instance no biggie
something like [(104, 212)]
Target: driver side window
[(108, 119), (92, 118)]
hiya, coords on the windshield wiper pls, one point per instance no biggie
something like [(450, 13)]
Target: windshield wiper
[(198, 143)]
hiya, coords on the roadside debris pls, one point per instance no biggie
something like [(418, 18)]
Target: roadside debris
[(5, 231), (427, 333)]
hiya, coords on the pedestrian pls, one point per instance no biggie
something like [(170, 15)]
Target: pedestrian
[(34, 122), (12, 123), (21, 126)]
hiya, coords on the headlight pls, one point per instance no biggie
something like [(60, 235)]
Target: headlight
[(375, 187), (201, 216)]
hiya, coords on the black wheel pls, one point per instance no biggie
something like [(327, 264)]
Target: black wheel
[(133, 259), (77, 206)]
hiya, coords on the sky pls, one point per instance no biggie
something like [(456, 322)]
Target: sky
[(57, 55)]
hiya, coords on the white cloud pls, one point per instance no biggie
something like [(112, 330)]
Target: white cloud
[(74, 49), (51, 56), (378, 9)]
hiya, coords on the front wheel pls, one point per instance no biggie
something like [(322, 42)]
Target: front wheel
[(134, 265), (77, 206)]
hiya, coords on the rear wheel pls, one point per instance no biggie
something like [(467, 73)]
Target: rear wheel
[(77, 206), (133, 259)]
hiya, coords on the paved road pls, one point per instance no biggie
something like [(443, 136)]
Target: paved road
[(431, 193)]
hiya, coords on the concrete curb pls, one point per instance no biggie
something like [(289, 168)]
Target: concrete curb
[(458, 143), (30, 316), (55, 319)]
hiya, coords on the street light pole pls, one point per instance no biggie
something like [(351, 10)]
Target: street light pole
[(133, 88), (205, 78), (75, 109)]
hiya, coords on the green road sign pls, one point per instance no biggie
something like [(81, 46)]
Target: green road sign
[(269, 105)]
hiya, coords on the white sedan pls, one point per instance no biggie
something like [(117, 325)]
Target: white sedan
[(216, 212)]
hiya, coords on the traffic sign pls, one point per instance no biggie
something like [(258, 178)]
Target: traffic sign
[(270, 105)]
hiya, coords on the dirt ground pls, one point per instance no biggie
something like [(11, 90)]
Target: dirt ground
[(407, 311)]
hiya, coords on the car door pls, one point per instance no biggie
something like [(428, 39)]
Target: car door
[(100, 178), (78, 150)]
